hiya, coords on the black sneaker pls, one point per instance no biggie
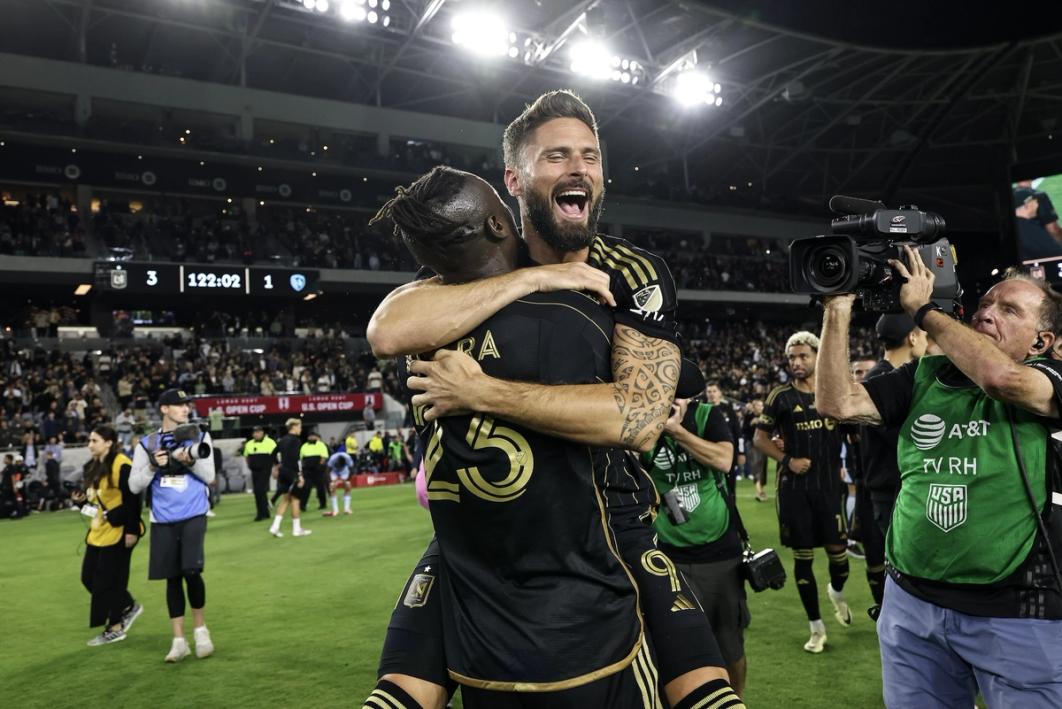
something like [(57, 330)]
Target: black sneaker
[(855, 550), (130, 616), (874, 611), (107, 637)]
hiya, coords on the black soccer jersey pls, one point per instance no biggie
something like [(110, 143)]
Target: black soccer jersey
[(641, 283), (807, 434), (534, 591)]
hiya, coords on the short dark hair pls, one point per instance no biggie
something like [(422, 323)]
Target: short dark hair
[(414, 210), (550, 105)]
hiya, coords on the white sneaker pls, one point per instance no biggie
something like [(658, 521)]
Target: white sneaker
[(840, 606), (276, 533), (301, 533), (203, 646), (178, 650), (817, 642), (211, 513)]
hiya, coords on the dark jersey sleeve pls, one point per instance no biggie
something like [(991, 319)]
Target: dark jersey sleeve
[(1053, 369), (641, 282), (715, 428), (1045, 213), (892, 392), (773, 411)]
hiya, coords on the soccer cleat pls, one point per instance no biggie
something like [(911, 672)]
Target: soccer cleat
[(203, 645), (276, 532), (130, 616), (855, 550), (107, 637), (840, 606), (178, 650), (211, 513), (816, 643), (301, 533), (762, 497)]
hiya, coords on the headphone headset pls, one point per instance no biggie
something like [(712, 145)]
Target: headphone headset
[(1039, 344)]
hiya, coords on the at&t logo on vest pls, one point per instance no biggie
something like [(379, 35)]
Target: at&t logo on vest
[(929, 430)]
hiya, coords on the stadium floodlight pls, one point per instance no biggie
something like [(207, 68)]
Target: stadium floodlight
[(481, 32), (373, 17), (309, 4), (352, 11), (695, 88), (592, 59), (322, 5)]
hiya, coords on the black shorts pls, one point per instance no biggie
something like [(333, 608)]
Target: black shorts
[(634, 687), (177, 548), (286, 480), (414, 642), (677, 627), (811, 518), (720, 588)]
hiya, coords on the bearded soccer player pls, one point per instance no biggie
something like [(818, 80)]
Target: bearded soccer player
[(507, 595), (810, 513), (553, 157)]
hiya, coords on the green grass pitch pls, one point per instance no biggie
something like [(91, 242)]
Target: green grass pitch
[(299, 622)]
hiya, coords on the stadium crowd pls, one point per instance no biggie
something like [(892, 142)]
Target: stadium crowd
[(40, 224)]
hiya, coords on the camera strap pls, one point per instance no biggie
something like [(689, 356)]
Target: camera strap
[(1040, 526), (731, 504)]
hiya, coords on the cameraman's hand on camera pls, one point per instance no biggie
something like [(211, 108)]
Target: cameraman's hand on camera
[(162, 458), (678, 412), (918, 290), (800, 466), (183, 456)]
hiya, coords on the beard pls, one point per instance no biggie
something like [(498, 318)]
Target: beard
[(563, 237)]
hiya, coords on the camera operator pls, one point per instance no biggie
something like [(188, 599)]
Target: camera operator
[(970, 602), (689, 466), (116, 528), (178, 470)]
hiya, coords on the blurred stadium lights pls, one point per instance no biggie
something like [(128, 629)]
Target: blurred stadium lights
[(695, 88), (592, 59), (484, 33)]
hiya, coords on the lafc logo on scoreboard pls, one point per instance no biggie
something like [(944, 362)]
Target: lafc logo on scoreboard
[(119, 279)]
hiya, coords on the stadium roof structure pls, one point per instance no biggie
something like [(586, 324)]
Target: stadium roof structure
[(928, 105)]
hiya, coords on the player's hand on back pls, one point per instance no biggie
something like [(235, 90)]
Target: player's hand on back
[(571, 276), (448, 384)]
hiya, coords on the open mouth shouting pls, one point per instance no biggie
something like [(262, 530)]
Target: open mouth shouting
[(572, 203)]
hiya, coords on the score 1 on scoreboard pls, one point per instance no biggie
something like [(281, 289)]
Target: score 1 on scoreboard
[(208, 279)]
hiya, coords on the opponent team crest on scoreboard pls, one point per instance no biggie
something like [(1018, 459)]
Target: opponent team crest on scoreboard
[(297, 281), (690, 496), (946, 506), (419, 588), (119, 279), (649, 299)]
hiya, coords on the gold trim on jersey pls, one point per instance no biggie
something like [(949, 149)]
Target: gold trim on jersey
[(645, 675), (775, 392), (635, 268), (380, 699)]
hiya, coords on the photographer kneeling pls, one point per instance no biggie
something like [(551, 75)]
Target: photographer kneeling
[(972, 600), (177, 461)]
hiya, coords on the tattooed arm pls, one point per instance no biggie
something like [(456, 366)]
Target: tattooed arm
[(627, 413)]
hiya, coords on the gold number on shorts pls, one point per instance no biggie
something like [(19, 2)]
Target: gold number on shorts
[(657, 563)]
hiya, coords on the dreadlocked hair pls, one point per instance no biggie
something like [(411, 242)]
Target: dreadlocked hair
[(414, 210)]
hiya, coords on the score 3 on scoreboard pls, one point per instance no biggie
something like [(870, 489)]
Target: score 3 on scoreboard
[(209, 279)]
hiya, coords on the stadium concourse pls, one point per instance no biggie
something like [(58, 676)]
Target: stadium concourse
[(231, 230)]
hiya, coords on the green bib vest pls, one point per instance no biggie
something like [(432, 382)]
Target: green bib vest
[(962, 515), (672, 467)]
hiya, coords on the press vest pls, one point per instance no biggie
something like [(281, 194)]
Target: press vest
[(106, 496), (174, 498), (962, 515), (696, 485)]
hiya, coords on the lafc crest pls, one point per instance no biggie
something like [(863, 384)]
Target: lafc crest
[(418, 591), (119, 278)]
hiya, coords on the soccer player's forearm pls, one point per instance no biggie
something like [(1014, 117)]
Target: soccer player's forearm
[(425, 315), (764, 444)]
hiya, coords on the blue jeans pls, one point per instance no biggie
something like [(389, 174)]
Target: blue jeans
[(934, 657)]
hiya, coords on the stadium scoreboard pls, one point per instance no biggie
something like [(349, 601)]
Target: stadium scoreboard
[(207, 279)]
